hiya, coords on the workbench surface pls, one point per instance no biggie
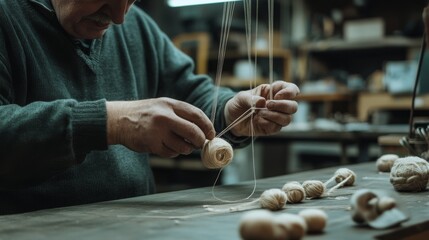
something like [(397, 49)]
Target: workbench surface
[(180, 215)]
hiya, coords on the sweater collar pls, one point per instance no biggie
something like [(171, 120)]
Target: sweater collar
[(45, 6)]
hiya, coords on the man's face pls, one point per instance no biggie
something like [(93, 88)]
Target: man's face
[(89, 19)]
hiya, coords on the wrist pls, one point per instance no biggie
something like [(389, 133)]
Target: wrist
[(226, 114), (229, 121), (112, 123)]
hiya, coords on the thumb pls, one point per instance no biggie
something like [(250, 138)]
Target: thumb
[(259, 102)]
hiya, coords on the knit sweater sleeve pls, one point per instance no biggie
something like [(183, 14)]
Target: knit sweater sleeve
[(39, 139)]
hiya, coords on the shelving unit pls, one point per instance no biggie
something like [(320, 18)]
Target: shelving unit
[(339, 45), (327, 103), (282, 66), (371, 102), (197, 46), (321, 51), (356, 57)]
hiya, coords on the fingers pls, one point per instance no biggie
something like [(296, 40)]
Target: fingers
[(166, 152), (278, 114), (277, 118), (280, 90), (283, 106), (174, 145), (284, 90), (260, 102), (184, 139), (278, 111), (265, 126), (190, 132), (198, 122), (187, 129)]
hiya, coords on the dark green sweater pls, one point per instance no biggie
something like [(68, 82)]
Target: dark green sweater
[(53, 93)]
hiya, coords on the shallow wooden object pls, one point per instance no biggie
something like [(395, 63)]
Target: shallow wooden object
[(198, 42), (389, 144), (368, 103)]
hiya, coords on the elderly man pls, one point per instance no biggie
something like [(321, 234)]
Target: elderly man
[(90, 88)]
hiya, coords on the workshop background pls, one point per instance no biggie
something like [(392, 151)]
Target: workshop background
[(355, 62)]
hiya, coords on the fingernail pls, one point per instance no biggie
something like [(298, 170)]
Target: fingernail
[(212, 134)]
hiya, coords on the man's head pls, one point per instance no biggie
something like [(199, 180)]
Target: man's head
[(89, 19)]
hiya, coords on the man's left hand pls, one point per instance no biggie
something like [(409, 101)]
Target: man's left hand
[(270, 114)]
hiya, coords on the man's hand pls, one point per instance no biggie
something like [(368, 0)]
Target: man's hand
[(162, 126), (278, 111)]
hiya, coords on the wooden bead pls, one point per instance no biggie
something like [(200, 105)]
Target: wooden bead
[(295, 225), (385, 162), (259, 224), (315, 218)]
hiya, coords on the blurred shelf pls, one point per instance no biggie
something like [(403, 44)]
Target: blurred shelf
[(281, 56), (325, 97), (371, 102), (341, 45), (277, 53), (238, 83)]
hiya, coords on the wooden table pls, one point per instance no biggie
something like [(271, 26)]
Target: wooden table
[(180, 215)]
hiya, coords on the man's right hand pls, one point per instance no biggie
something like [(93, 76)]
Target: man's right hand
[(161, 126)]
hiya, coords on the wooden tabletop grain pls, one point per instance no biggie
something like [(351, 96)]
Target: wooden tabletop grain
[(180, 215)]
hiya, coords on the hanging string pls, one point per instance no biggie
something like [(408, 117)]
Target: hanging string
[(255, 50), (244, 116), (228, 10), (226, 23), (254, 175), (343, 177), (270, 43), (416, 83), (340, 184), (248, 113), (248, 27)]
